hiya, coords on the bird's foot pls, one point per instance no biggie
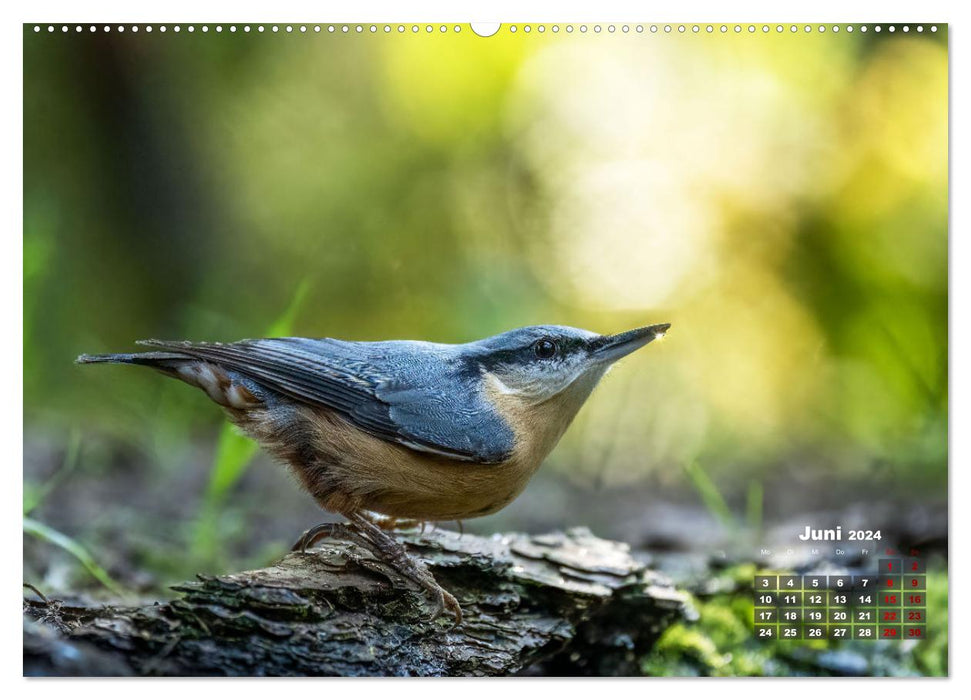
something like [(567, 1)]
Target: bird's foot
[(395, 554), (364, 531)]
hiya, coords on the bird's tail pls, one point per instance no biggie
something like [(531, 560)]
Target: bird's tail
[(225, 388), (159, 360)]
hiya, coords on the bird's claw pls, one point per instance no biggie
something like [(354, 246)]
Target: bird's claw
[(446, 601), (452, 605), (314, 535)]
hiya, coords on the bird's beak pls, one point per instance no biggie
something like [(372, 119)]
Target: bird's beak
[(610, 348)]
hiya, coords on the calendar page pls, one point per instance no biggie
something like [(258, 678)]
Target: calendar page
[(424, 347)]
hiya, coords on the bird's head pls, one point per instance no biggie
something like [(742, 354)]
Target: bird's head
[(537, 363)]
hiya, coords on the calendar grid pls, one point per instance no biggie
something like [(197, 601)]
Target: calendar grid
[(890, 604)]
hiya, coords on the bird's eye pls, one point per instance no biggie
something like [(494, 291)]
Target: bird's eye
[(544, 349)]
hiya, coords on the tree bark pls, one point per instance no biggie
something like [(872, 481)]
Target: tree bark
[(563, 604)]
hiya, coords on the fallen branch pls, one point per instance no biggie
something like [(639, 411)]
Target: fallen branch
[(550, 604)]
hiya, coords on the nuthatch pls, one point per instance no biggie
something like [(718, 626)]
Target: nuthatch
[(402, 429)]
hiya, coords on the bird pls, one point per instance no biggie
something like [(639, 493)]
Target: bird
[(400, 432)]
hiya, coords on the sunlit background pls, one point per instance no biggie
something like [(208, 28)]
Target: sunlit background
[(780, 199)]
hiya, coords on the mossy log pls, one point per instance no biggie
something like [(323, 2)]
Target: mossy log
[(564, 604)]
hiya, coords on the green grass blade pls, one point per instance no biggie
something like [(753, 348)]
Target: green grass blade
[(48, 534), (710, 495), (34, 495), (753, 506), (234, 452), (284, 324)]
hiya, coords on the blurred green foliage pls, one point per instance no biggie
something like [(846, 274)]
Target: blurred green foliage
[(782, 200)]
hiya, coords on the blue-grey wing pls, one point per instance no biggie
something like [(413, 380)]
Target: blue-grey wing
[(419, 395)]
